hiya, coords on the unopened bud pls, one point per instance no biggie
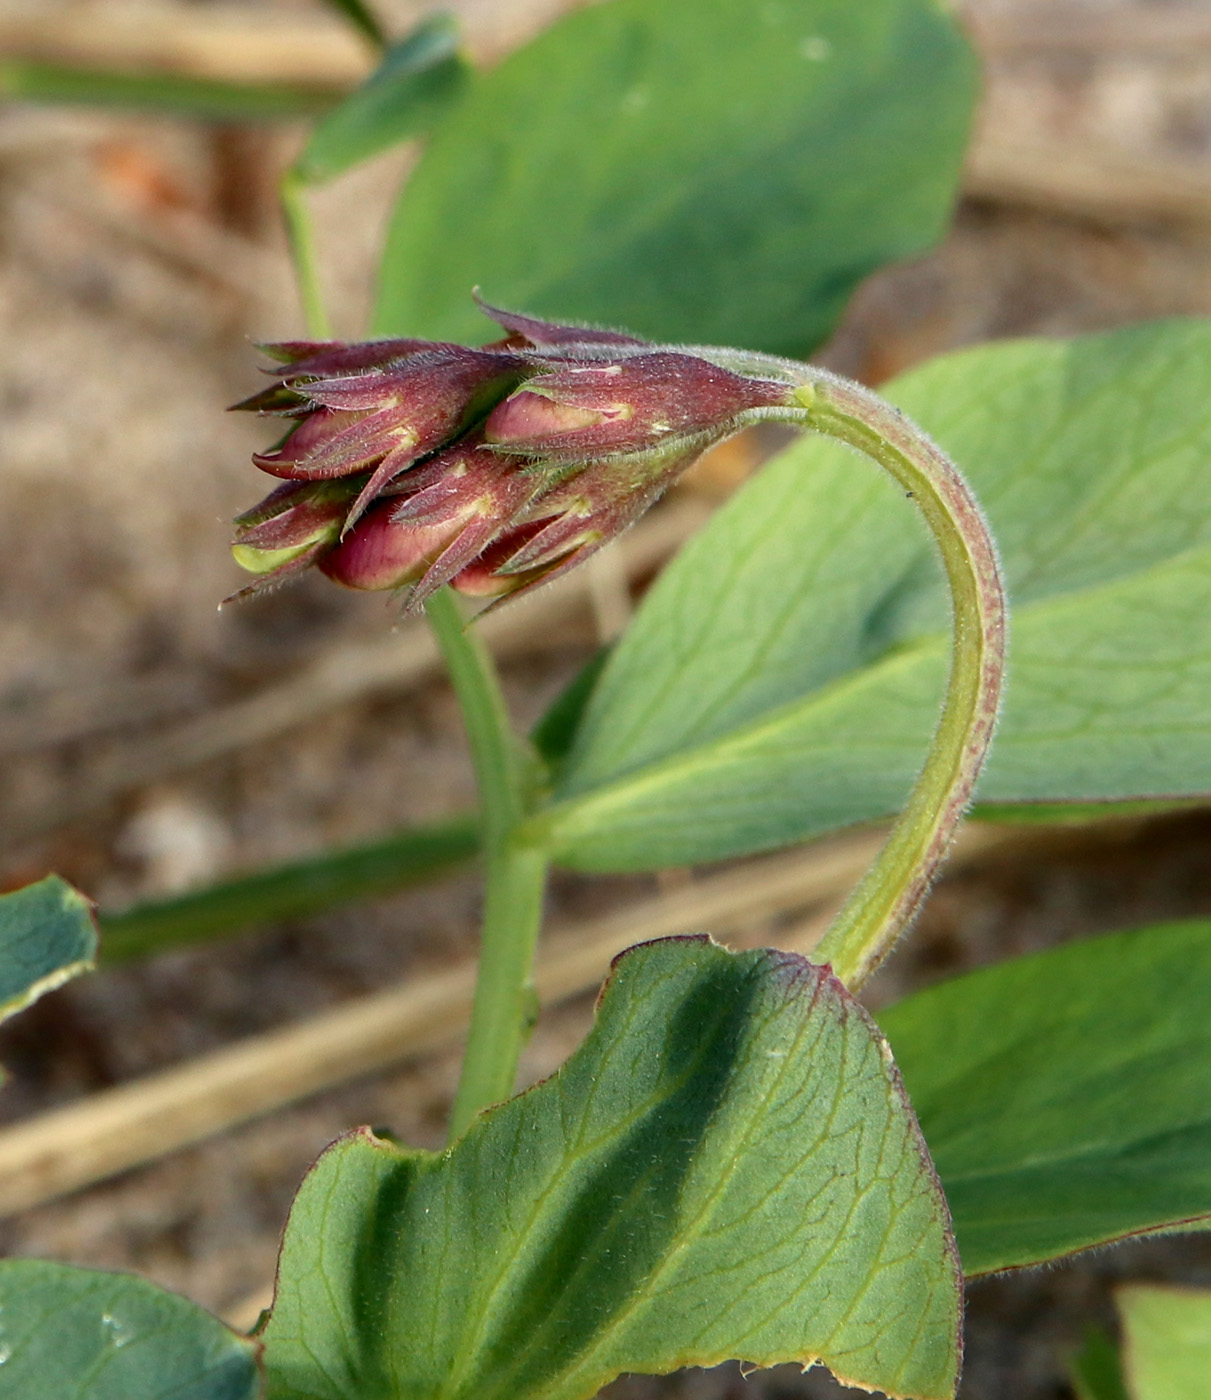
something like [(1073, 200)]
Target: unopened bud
[(387, 418), (411, 464), (482, 578), (292, 527), (379, 553), (571, 520), (596, 408), (455, 504)]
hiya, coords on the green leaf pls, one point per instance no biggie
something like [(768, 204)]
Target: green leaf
[(207, 98), (291, 890), (416, 83), (783, 676), (1066, 1096), (76, 1334), (1166, 1342), (554, 734), (1095, 1370), (726, 1168), (725, 172), (47, 936)]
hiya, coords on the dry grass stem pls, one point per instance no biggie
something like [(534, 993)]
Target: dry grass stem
[(68, 716), (1102, 183), (1177, 32), (231, 43), (134, 1123)]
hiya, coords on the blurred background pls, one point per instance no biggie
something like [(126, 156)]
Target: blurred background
[(152, 743)]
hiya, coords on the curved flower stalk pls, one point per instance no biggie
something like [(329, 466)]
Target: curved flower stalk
[(411, 464)]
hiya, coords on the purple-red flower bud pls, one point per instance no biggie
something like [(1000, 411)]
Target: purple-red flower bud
[(568, 523), (599, 407), (380, 554), (547, 334), (412, 464), (292, 527), (454, 507), (387, 418)]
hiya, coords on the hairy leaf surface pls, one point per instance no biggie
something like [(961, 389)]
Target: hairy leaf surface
[(78, 1334), (783, 676), (726, 1168), (1066, 1096), (724, 172)]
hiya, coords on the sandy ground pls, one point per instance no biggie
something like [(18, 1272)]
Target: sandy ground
[(137, 260)]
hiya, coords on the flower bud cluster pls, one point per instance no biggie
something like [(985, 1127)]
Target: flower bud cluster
[(410, 464)]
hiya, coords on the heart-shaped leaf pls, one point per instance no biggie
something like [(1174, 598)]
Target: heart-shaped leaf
[(727, 1167), (783, 676), (1066, 1096), (724, 172), (77, 1334)]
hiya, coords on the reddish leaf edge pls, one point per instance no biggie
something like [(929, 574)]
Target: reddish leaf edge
[(1192, 1224), (793, 969)]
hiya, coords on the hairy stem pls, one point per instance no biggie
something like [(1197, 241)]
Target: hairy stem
[(889, 895), (891, 892), (515, 872)]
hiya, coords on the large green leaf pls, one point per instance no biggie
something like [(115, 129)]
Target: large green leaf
[(783, 676), (1066, 1096), (414, 85), (1166, 1342), (75, 1334), (47, 936), (726, 1168), (724, 172)]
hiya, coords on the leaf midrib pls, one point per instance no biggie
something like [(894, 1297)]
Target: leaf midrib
[(479, 1326)]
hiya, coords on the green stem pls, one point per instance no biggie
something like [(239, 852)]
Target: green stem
[(515, 872), (505, 1004), (301, 235), (889, 895)]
